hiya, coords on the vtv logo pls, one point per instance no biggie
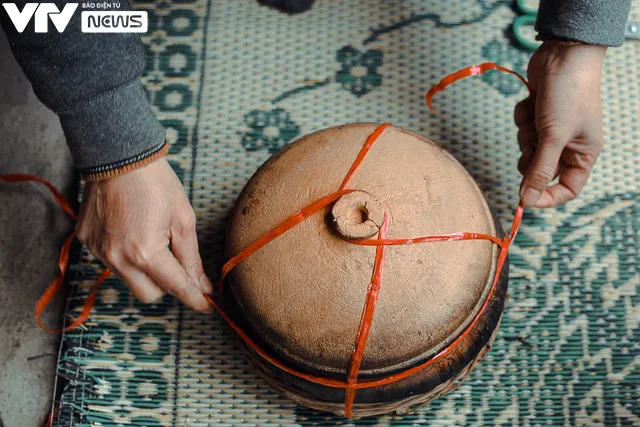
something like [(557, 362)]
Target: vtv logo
[(115, 22), (42, 11)]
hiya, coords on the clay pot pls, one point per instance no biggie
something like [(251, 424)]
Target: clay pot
[(301, 296)]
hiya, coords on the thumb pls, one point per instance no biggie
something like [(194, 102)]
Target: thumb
[(542, 170)]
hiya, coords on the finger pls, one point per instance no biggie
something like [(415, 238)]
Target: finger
[(184, 244), (167, 272), (524, 111), (572, 181), (525, 161), (141, 285), (562, 192), (542, 170), (527, 141), (527, 136)]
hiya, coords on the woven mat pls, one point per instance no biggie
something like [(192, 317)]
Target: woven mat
[(234, 82)]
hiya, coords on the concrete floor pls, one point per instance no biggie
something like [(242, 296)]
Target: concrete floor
[(32, 229)]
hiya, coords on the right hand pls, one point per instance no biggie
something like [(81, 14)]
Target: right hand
[(560, 125), (128, 222)]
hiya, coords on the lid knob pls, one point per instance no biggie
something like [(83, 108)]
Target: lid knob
[(357, 215)]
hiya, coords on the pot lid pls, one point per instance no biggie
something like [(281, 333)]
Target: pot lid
[(304, 292)]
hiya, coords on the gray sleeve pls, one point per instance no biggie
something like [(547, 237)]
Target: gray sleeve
[(599, 22), (92, 81)]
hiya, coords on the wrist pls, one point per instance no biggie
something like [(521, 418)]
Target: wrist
[(566, 47), (581, 59)]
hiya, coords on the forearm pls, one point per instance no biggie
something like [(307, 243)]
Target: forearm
[(598, 22), (92, 81)]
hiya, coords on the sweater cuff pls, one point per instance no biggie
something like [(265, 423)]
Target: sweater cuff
[(546, 39), (114, 130), (124, 166), (588, 21)]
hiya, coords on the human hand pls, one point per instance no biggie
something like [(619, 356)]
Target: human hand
[(560, 125), (128, 223)]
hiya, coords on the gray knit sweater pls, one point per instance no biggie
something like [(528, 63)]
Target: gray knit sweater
[(92, 81)]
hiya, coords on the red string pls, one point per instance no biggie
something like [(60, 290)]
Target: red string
[(366, 320), (63, 262), (474, 70), (422, 239), (279, 230), (381, 242), (363, 152), (62, 201), (53, 413)]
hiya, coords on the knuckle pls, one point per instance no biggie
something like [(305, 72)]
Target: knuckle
[(85, 236), (523, 138), (521, 112), (540, 177), (554, 134), (141, 257), (186, 220), (140, 254), (197, 268), (82, 235), (549, 126), (105, 250), (111, 254)]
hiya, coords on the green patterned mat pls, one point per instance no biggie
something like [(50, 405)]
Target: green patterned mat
[(234, 82)]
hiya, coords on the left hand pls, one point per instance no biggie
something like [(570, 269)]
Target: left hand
[(560, 125), (128, 222)]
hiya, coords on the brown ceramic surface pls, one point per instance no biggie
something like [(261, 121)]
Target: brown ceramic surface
[(303, 293)]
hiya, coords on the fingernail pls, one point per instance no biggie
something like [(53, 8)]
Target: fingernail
[(209, 309), (205, 284), (158, 301), (530, 196)]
